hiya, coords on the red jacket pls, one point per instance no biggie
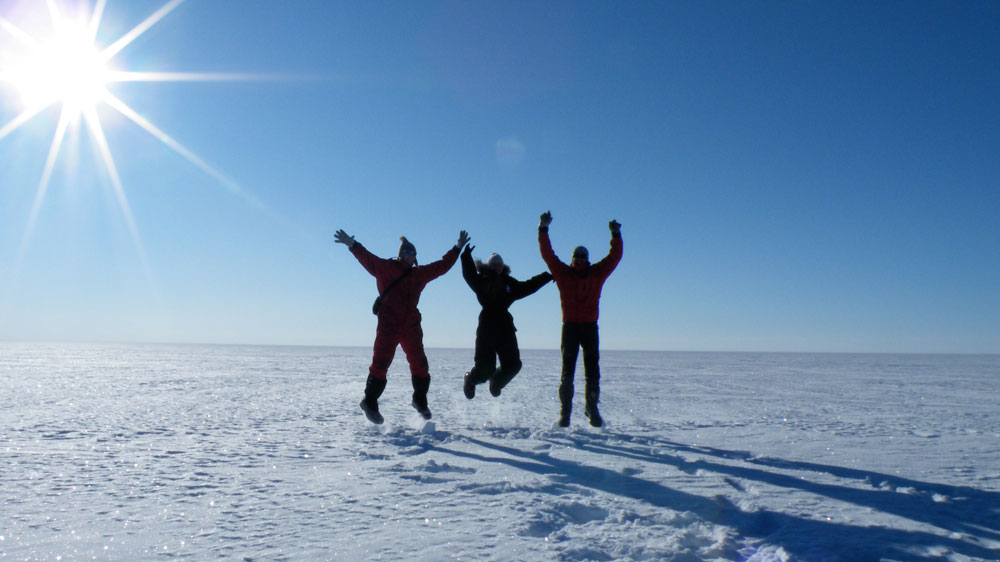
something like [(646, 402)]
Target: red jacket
[(579, 286), (400, 304)]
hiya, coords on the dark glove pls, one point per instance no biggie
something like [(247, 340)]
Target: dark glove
[(545, 220)]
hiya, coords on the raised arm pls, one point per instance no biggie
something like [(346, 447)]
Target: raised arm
[(610, 262), (368, 260), (440, 267), (469, 268), (545, 245)]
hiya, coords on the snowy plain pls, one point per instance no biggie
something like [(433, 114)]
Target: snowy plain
[(139, 452)]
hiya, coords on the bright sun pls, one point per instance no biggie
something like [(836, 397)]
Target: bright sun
[(66, 68)]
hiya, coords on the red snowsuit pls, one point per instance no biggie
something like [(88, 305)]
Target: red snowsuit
[(579, 286), (398, 317)]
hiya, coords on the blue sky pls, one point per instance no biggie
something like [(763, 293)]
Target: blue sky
[(790, 176)]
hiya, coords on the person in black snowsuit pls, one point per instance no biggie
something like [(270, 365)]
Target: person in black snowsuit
[(496, 290)]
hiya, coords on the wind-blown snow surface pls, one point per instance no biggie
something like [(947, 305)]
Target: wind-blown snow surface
[(261, 453)]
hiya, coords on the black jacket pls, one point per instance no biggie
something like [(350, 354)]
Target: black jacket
[(497, 291)]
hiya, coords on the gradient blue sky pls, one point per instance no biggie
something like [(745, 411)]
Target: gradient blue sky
[(790, 176)]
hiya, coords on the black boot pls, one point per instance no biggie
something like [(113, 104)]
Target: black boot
[(369, 405), (566, 399), (503, 376), (564, 417), (590, 406), (497, 382), (469, 387), (420, 387)]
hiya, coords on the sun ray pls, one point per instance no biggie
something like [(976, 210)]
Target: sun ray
[(133, 76), (43, 185), (53, 11), (95, 19), (17, 33), (21, 119), (231, 185), (97, 133), (138, 30)]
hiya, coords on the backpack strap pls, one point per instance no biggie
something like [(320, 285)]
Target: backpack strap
[(397, 280)]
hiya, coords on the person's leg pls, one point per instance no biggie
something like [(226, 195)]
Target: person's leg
[(383, 351), (412, 343), (420, 387), (592, 372), (570, 350), (510, 359), (369, 404), (486, 355)]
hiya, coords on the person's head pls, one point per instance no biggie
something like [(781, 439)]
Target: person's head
[(407, 251), (580, 256), (496, 263)]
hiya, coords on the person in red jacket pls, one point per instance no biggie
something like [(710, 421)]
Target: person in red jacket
[(580, 285), (400, 282)]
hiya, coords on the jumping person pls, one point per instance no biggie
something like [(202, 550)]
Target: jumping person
[(400, 282), (580, 285), (495, 290)]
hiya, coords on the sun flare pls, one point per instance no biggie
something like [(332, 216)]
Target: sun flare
[(65, 68)]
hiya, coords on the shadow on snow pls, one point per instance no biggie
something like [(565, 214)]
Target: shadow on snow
[(971, 513)]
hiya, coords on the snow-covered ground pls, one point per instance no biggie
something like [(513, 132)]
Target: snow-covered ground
[(261, 453)]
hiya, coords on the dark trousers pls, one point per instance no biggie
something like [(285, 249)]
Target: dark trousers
[(574, 336), (496, 339)]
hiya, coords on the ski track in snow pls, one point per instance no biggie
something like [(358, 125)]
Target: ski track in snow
[(261, 453)]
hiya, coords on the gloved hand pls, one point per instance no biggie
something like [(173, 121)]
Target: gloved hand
[(342, 237), (545, 220), (468, 250), (615, 226)]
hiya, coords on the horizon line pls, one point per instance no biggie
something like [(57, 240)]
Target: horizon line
[(470, 348)]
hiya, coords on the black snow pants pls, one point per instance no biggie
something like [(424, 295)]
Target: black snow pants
[(574, 336), (496, 338)]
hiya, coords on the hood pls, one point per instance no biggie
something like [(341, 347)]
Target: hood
[(484, 268)]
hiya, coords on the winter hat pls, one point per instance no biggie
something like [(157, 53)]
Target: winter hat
[(581, 252), (495, 261), (406, 247)]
